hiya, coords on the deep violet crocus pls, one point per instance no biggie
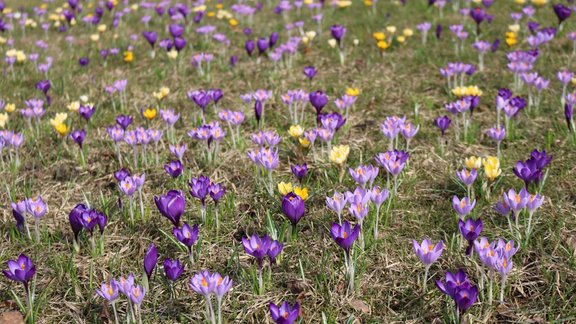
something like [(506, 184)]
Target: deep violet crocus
[(174, 168), (459, 288), (293, 208), (171, 205), (173, 269), (299, 171), (345, 236), (23, 270), (562, 12), (470, 230), (150, 260)]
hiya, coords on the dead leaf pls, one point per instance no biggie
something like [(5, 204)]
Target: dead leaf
[(11, 318), (360, 306)]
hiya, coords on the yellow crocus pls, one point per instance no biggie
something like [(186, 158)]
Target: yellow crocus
[(339, 154), (301, 192), (61, 128), (95, 37), (379, 36), (304, 142), (128, 56), (353, 92), (408, 32), (492, 167), (382, 45), (539, 3), (401, 39), (10, 107), (163, 93), (284, 188), (3, 120), (172, 54), (295, 131), (473, 162), (391, 29), (149, 113), (74, 106), (233, 22)]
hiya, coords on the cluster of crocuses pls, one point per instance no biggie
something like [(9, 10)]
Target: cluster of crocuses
[(461, 106), (260, 248), (497, 257), (266, 158), (513, 204), (202, 187), (456, 72), (35, 207), (393, 126), (133, 138), (129, 184), (83, 218), (11, 141), (232, 118), (203, 98), (393, 162), (134, 295), (532, 170), (212, 134), (207, 284)]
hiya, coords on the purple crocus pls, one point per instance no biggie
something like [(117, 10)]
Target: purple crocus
[(173, 269), (470, 230), (318, 99), (257, 247), (285, 314), (21, 270), (462, 206), (427, 252), (78, 137), (338, 32), (124, 121), (309, 72), (562, 12), (151, 37), (442, 122), (174, 168), (344, 235), (150, 260), (187, 236), (293, 208), (171, 205), (299, 171)]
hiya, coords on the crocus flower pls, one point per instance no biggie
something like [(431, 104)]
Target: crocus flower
[(527, 171), (171, 205), (467, 177), (318, 100), (285, 314), (338, 32), (150, 260), (344, 235), (121, 174), (20, 270), (187, 236), (299, 170), (463, 206), (257, 247), (442, 123), (562, 12), (274, 250), (78, 136), (293, 208), (108, 291), (203, 283), (36, 207), (470, 230), (173, 269), (19, 213), (174, 168), (309, 72), (427, 252)]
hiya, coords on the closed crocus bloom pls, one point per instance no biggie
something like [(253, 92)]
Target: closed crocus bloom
[(470, 230), (318, 100), (173, 269), (299, 171), (338, 32), (150, 260), (345, 235), (78, 136), (174, 168), (171, 205), (285, 314), (309, 72), (473, 162), (442, 122), (562, 12), (492, 167), (465, 297), (462, 206), (293, 207), (21, 270), (19, 213), (427, 252), (249, 47), (339, 154), (378, 195)]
